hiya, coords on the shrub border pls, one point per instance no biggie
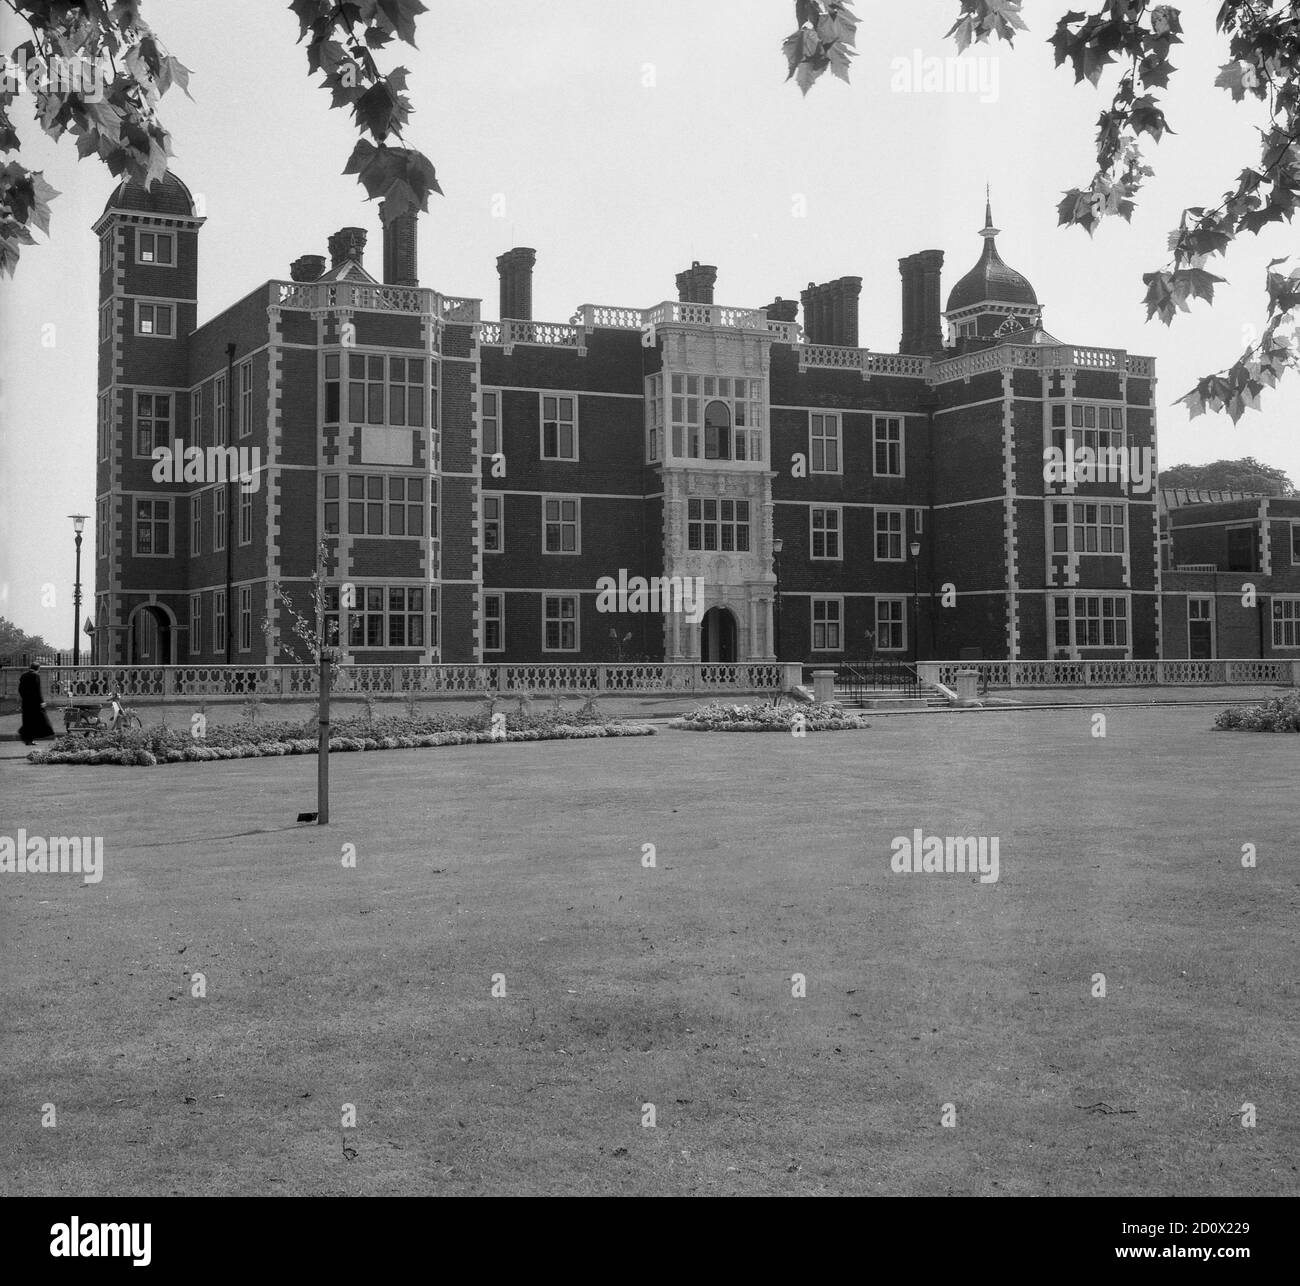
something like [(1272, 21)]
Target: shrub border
[(849, 724), (1277, 714), (826, 717), (200, 753)]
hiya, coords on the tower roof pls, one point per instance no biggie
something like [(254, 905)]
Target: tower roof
[(168, 195), (991, 279)]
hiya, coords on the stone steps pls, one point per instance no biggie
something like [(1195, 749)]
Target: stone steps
[(892, 698)]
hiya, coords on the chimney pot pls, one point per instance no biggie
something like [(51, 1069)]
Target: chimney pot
[(347, 244), (307, 268), (784, 310), (695, 285)]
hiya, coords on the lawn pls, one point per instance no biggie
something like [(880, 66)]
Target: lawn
[(671, 985)]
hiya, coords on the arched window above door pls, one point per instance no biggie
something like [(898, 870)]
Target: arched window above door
[(717, 431)]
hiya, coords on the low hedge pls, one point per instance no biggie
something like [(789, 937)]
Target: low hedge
[(769, 717), (1279, 714)]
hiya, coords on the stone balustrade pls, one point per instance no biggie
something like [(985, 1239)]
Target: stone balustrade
[(1115, 673), (372, 297), (1035, 356), (608, 316), (180, 682), (837, 357), (361, 296), (631, 678), (674, 312)]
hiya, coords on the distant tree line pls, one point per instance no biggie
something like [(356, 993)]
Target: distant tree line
[(1247, 474)]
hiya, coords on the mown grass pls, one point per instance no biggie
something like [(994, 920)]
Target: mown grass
[(670, 985)]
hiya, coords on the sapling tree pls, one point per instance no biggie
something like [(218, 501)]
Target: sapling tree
[(315, 637)]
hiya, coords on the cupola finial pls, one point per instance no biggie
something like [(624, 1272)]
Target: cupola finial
[(988, 230), (991, 281)]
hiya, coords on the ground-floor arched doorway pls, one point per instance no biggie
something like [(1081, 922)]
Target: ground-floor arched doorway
[(718, 636), (149, 636)]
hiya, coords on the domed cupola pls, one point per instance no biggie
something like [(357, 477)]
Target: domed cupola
[(166, 196), (992, 295)]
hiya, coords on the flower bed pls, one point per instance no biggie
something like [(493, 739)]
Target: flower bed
[(1280, 714), (768, 717), (253, 740)]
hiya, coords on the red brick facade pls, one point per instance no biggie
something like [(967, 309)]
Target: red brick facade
[(1232, 578), (476, 482)]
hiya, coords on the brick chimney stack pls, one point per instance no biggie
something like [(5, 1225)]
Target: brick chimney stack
[(695, 285), (400, 249), (830, 311), (516, 270), (307, 268), (930, 321), (347, 244), (814, 314), (845, 293), (907, 270), (922, 305)]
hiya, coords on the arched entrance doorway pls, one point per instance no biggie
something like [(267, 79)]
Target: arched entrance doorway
[(149, 635), (718, 636)]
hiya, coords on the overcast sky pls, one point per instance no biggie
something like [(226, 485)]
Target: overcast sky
[(623, 139)]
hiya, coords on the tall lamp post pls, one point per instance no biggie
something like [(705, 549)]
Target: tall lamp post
[(230, 433), (777, 545), (78, 526), (915, 550)]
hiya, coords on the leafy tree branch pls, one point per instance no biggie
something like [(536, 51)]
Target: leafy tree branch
[(97, 71)]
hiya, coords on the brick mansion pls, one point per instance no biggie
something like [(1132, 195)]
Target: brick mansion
[(475, 480)]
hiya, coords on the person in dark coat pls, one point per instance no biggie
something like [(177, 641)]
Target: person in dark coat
[(32, 699)]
